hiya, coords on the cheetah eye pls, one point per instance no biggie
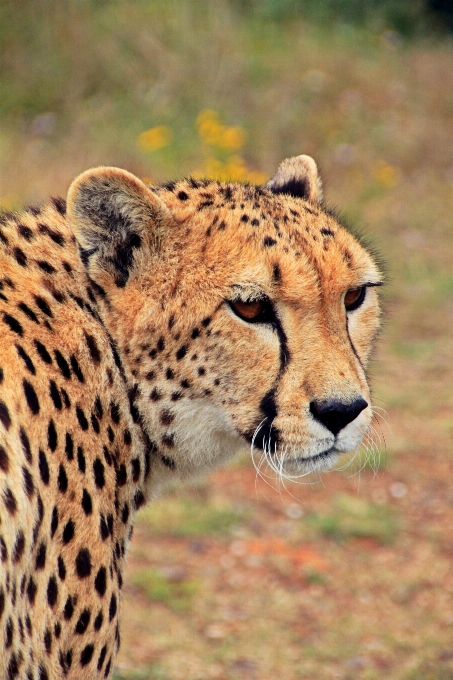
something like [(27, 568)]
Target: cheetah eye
[(254, 311), (354, 298)]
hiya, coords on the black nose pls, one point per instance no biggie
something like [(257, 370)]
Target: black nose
[(335, 415)]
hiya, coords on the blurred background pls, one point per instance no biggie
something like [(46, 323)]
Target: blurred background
[(348, 575)]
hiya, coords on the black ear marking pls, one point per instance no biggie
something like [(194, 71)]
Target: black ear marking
[(114, 215), (298, 177)]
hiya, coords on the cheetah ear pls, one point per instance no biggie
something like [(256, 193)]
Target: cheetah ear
[(115, 218), (298, 176)]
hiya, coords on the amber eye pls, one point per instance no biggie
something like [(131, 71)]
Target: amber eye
[(255, 311), (354, 298)]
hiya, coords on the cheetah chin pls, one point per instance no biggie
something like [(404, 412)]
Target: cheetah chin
[(146, 335)]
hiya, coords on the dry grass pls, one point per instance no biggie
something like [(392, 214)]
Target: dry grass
[(353, 579)]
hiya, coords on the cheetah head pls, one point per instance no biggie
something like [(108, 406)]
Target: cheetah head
[(242, 314)]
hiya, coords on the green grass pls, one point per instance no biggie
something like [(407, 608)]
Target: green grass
[(353, 517), (187, 517), (177, 595)]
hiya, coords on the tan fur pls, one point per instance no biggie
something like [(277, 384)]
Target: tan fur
[(137, 371)]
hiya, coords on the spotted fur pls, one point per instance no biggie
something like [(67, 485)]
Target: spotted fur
[(123, 365)]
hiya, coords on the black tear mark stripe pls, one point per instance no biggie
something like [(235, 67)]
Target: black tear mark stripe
[(353, 347)]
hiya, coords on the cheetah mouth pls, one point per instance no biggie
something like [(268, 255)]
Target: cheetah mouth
[(319, 461)]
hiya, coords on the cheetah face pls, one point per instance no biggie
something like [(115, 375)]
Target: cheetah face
[(243, 315)]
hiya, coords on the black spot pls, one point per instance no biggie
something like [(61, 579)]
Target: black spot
[(68, 532), (121, 475), (115, 413), (52, 591), (86, 655), (276, 273), (20, 257), (69, 447), (83, 422), (31, 591), (168, 462), (255, 222), (169, 374), (76, 369), (181, 353), (55, 395), (110, 434), (2, 602), (168, 440), (31, 397), (102, 656), (327, 232), (205, 323), (61, 568), (127, 437), (175, 396), (28, 312), (100, 582), (99, 411), (5, 418), (125, 513), (98, 470), (201, 370), (183, 196), (46, 267), (43, 353), (87, 504), (25, 232), (44, 467), (26, 359), (52, 438), (68, 610), (103, 528), (65, 661), (268, 242), (54, 522), (43, 306), (54, 235), (135, 469), (9, 633), (95, 424), (19, 547), (60, 205), (155, 395), (29, 486), (93, 348), (112, 607), (10, 501), (13, 324), (66, 399), (83, 622), (13, 666), (57, 630), (25, 445), (48, 641), (62, 480), (62, 364), (83, 563), (4, 459), (97, 624)]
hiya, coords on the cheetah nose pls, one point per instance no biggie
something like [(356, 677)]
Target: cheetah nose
[(335, 415)]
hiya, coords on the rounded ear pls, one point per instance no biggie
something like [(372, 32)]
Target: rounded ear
[(113, 214), (298, 176)]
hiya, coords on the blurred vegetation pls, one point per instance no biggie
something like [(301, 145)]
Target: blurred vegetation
[(355, 518), (186, 517), (177, 593)]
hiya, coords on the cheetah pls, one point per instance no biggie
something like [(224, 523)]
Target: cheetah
[(147, 334)]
